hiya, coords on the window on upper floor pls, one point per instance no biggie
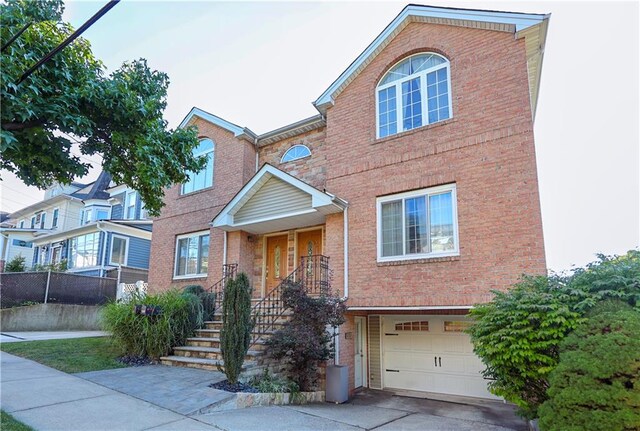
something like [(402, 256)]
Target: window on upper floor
[(413, 93), (43, 218), (192, 255), (296, 152), (54, 218), (21, 224), (33, 222), (204, 178), (130, 205), (102, 214), (418, 224)]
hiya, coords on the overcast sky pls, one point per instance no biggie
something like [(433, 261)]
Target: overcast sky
[(260, 65)]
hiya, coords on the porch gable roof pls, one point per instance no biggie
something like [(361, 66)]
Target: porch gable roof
[(274, 200)]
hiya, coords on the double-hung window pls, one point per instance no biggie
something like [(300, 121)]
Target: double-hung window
[(192, 255), (130, 206), (204, 178), (54, 218), (414, 93), (119, 249), (418, 224), (43, 219)]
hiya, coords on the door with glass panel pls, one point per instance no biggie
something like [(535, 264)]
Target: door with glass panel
[(276, 263)]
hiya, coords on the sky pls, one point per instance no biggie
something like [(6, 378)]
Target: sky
[(261, 64)]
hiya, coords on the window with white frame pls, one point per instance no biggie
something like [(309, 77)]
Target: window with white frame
[(21, 224), (413, 93), (102, 214), (204, 178), (43, 219), (192, 255), (33, 222), (418, 224), (144, 214), (296, 152), (84, 250), (54, 218), (130, 205), (119, 250)]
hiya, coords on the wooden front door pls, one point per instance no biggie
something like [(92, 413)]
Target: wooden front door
[(309, 244), (277, 258)]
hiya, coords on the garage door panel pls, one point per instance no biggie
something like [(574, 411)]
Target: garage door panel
[(410, 358)]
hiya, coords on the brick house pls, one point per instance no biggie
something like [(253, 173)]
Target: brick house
[(417, 179)]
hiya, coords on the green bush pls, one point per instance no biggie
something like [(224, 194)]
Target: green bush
[(208, 299), (596, 385), (153, 336), (518, 333), (17, 264), (237, 325), (269, 383)]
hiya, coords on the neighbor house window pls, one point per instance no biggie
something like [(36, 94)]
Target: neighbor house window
[(84, 250), (119, 249), (54, 218), (204, 178), (418, 224), (415, 92), (33, 222), (130, 206), (102, 215), (296, 152), (192, 255), (21, 224), (43, 218)]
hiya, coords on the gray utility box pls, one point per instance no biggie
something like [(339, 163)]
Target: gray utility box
[(337, 384)]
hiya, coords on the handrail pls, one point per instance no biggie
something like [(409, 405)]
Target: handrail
[(313, 273), (229, 271)]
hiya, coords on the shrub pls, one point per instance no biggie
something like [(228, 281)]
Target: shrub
[(237, 325), (153, 336), (304, 343), (207, 299), (518, 333), (17, 264), (596, 385), (268, 383)]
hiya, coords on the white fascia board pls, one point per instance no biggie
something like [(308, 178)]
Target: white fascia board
[(116, 190), (126, 230), (233, 128), (318, 198), (520, 20)]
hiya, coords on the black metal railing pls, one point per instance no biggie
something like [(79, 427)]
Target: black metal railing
[(313, 273), (229, 271)]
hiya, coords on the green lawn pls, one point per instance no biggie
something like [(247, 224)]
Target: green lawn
[(71, 356), (8, 423)]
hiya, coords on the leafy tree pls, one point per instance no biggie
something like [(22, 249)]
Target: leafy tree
[(70, 99), (237, 324), (519, 332), (596, 385), (304, 343), (17, 264)]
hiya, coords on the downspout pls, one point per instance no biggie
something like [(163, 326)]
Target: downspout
[(345, 219), (224, 249), (104, 249)]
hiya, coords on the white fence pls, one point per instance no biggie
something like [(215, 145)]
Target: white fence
[(127, 291)]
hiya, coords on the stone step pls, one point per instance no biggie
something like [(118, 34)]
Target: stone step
[(215, 343), (209, 352), (216, 333), (202, 364)]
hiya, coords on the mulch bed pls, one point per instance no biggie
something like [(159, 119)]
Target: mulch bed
[(136, 361), (237, 387)]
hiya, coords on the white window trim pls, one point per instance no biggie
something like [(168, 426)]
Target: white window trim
[(423, 91), (22, 223), (32, 222), (177, 250), (411, 194), (296, 158), (56, 219), (126, 251), (43, 223), (125, 207), (213, 173)]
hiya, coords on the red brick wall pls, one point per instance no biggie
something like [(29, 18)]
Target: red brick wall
[(487, 149), (234, 165), (311, 170)]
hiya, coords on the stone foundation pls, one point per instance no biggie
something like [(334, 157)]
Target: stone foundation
[(243, 400)]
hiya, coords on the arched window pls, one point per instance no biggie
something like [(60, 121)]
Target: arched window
[(204, 178), (295, 152), (413, 93)]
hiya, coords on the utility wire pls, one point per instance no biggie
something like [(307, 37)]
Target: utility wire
[(106, 8)]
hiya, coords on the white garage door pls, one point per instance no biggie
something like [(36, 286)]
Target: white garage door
[(432, 354)]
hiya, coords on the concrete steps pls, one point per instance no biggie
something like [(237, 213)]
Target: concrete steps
[(200, 363), (209, 353)]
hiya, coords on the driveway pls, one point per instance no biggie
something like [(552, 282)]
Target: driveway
[(125, 399)]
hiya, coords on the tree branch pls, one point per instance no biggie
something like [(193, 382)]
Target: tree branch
[(16, 127)]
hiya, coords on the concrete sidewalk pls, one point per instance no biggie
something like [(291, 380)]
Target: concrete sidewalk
[(14, 337), (47, 399)]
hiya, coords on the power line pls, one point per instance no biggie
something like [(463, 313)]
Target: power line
[(68, 40)]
